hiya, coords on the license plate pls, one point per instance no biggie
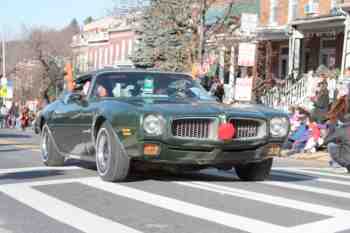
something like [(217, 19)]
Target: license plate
[(274, 150)]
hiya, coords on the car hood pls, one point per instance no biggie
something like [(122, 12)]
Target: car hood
[(190, 107)]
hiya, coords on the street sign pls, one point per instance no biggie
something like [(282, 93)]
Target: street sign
[(243, 90), (246, 56), (3, 91), (249, 23)]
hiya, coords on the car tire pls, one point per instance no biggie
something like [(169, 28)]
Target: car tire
[(255, 171), (113, 164), (49, 154)]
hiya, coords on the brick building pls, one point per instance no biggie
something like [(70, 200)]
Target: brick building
[(297, 36), (104, 42)]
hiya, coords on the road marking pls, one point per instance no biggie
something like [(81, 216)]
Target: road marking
[(64, 212), (34, 169), (20, 145), (314, 178), (323, 191), (326, 226), (211, 215), (265, 198), (82, 219), (314, 172), (4, 141)]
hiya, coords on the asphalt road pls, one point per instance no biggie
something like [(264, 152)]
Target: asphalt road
[(300, 197)]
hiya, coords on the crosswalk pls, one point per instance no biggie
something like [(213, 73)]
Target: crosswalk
[(19, 145), (294, 200)]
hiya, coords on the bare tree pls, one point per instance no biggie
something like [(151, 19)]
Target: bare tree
[(51, 48)]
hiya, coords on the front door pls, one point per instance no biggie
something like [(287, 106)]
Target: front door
[(64, 125)]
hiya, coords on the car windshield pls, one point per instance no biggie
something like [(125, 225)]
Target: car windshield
[(157, 85)]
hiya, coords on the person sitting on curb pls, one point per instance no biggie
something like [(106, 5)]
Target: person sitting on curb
[(314, 140), (338, 144)]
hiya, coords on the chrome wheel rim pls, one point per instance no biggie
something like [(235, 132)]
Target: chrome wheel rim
[(103, 150), (44, 146)]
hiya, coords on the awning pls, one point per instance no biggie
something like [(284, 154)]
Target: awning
[(274, 33), (218, 11), (319, 23)]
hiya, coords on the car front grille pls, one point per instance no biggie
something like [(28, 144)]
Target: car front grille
[(246, 128), (192, 128)]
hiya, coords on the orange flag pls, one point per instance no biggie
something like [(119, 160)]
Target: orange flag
[(69, 77)]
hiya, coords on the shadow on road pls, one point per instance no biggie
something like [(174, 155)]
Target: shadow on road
[(13, 149), (14, 136), (31, 175)]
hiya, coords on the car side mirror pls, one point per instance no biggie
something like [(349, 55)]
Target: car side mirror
[(75, 97)]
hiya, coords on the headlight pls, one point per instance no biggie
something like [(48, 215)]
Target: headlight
[(154, 125), (279, 127)]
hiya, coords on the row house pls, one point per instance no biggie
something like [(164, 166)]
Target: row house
[(298, 36), (105, 42)]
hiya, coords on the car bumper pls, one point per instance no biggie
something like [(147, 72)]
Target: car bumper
[(211, 155)]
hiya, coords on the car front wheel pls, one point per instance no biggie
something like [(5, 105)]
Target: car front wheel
[(254, 171), (111, 159), (49, 155)]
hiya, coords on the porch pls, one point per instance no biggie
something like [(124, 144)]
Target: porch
[(312, 43)]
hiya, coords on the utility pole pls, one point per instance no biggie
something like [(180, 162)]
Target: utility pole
[(203, 6), (3, 56), (3, 79)]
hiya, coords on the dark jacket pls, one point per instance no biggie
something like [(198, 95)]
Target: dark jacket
[(341, 137), (322, 101)]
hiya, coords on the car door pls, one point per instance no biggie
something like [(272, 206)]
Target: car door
[(83, 122), (64, 124)]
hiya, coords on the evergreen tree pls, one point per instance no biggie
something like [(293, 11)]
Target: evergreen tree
[(88, 20), (74, 26), (164, 36)]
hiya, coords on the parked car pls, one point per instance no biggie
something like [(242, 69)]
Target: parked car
[(117, 117)]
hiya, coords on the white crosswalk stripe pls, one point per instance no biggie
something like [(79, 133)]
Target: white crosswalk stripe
[(270, 199), (63, 212), (89, 222), (315, 171), (332, 181), (189, 209)]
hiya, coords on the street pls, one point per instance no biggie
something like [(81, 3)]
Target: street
[(300, 197)]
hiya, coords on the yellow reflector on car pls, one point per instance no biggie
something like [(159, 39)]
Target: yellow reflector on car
[(126, 132), (274, 150), (151, 150)]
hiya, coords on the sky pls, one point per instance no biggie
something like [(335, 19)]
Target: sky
[(51, 13)]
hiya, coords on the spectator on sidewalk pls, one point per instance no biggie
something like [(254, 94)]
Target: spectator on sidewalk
[(298, 138), (338, 144), (314, 139), (217, 89), (11, 121), (321, 102), (3, 116)]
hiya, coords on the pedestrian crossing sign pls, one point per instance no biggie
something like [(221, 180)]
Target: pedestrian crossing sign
[(3, 91)]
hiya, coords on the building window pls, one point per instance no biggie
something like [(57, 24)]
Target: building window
[(95, 59), (106, 57), (129, 47), (117, 52), (292, 10), (123, 50), (273, 12), (334, 3), (100, 58), (111, 53)]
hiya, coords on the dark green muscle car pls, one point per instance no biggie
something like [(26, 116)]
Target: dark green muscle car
[(118, 117)]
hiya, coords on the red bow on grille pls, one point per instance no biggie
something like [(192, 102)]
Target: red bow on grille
[(226, 131)]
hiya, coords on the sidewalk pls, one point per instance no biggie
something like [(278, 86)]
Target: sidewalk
[(321, 156)]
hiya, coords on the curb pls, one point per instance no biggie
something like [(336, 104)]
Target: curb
[(321, 156)]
